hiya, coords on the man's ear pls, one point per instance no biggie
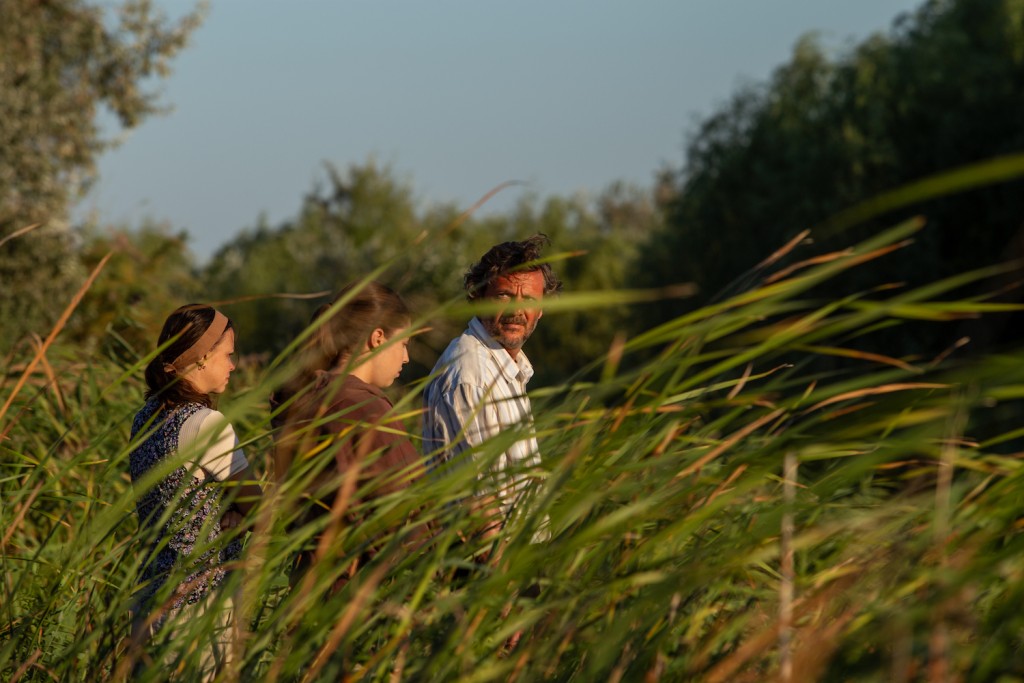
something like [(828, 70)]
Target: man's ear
[(376, 338), (540, 314)]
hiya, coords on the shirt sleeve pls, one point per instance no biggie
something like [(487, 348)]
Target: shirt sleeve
[(215, 441), (461, 418)]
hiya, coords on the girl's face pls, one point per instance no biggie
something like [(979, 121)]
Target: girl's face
[(389, 360), (211, 374)]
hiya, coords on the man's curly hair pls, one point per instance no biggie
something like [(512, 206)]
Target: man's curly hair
[(509, 257)]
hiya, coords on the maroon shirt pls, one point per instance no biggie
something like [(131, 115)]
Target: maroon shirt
[(363, 408), (369, 441)]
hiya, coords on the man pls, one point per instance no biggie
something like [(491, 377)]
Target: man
[(479, 384)]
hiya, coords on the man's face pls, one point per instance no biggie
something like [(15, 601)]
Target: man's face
[(513, 325)]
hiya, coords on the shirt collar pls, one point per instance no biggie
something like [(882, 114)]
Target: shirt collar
[(518, 368)]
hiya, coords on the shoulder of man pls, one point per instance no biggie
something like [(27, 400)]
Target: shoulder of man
[(468, 361)]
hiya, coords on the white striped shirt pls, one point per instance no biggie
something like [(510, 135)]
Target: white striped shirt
[(478, 391)]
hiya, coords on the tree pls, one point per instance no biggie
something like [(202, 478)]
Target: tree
[(941, 90), (365, 218), (344, 229), (151, 273), (60, 62)]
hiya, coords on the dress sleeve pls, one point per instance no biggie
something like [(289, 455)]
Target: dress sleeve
[(216, 444)]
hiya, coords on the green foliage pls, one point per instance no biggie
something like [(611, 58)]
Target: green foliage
[(150, 274), (367, 217), (682, 469), (662, 491), (60, 62), (940, 91), (342, 232)]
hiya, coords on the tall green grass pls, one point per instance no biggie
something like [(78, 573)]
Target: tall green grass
[(725, 503)]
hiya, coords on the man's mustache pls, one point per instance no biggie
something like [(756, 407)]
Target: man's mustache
[(514, 320)]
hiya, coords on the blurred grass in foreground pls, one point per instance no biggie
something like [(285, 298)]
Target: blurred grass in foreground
[(725, 504)]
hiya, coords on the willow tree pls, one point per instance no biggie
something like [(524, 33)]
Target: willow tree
[(61, 62)]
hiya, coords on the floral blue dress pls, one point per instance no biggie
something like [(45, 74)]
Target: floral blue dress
[(195, 512)]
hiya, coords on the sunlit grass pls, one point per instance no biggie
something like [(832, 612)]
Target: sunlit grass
[(662, 490)]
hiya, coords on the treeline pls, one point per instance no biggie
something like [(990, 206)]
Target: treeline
[(942, 89), (271, 278), (721, 509), (62, 62)]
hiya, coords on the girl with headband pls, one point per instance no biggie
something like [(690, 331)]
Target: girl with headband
[(184, 511)]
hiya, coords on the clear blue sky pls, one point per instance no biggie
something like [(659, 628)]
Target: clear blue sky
[(456, 95)]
